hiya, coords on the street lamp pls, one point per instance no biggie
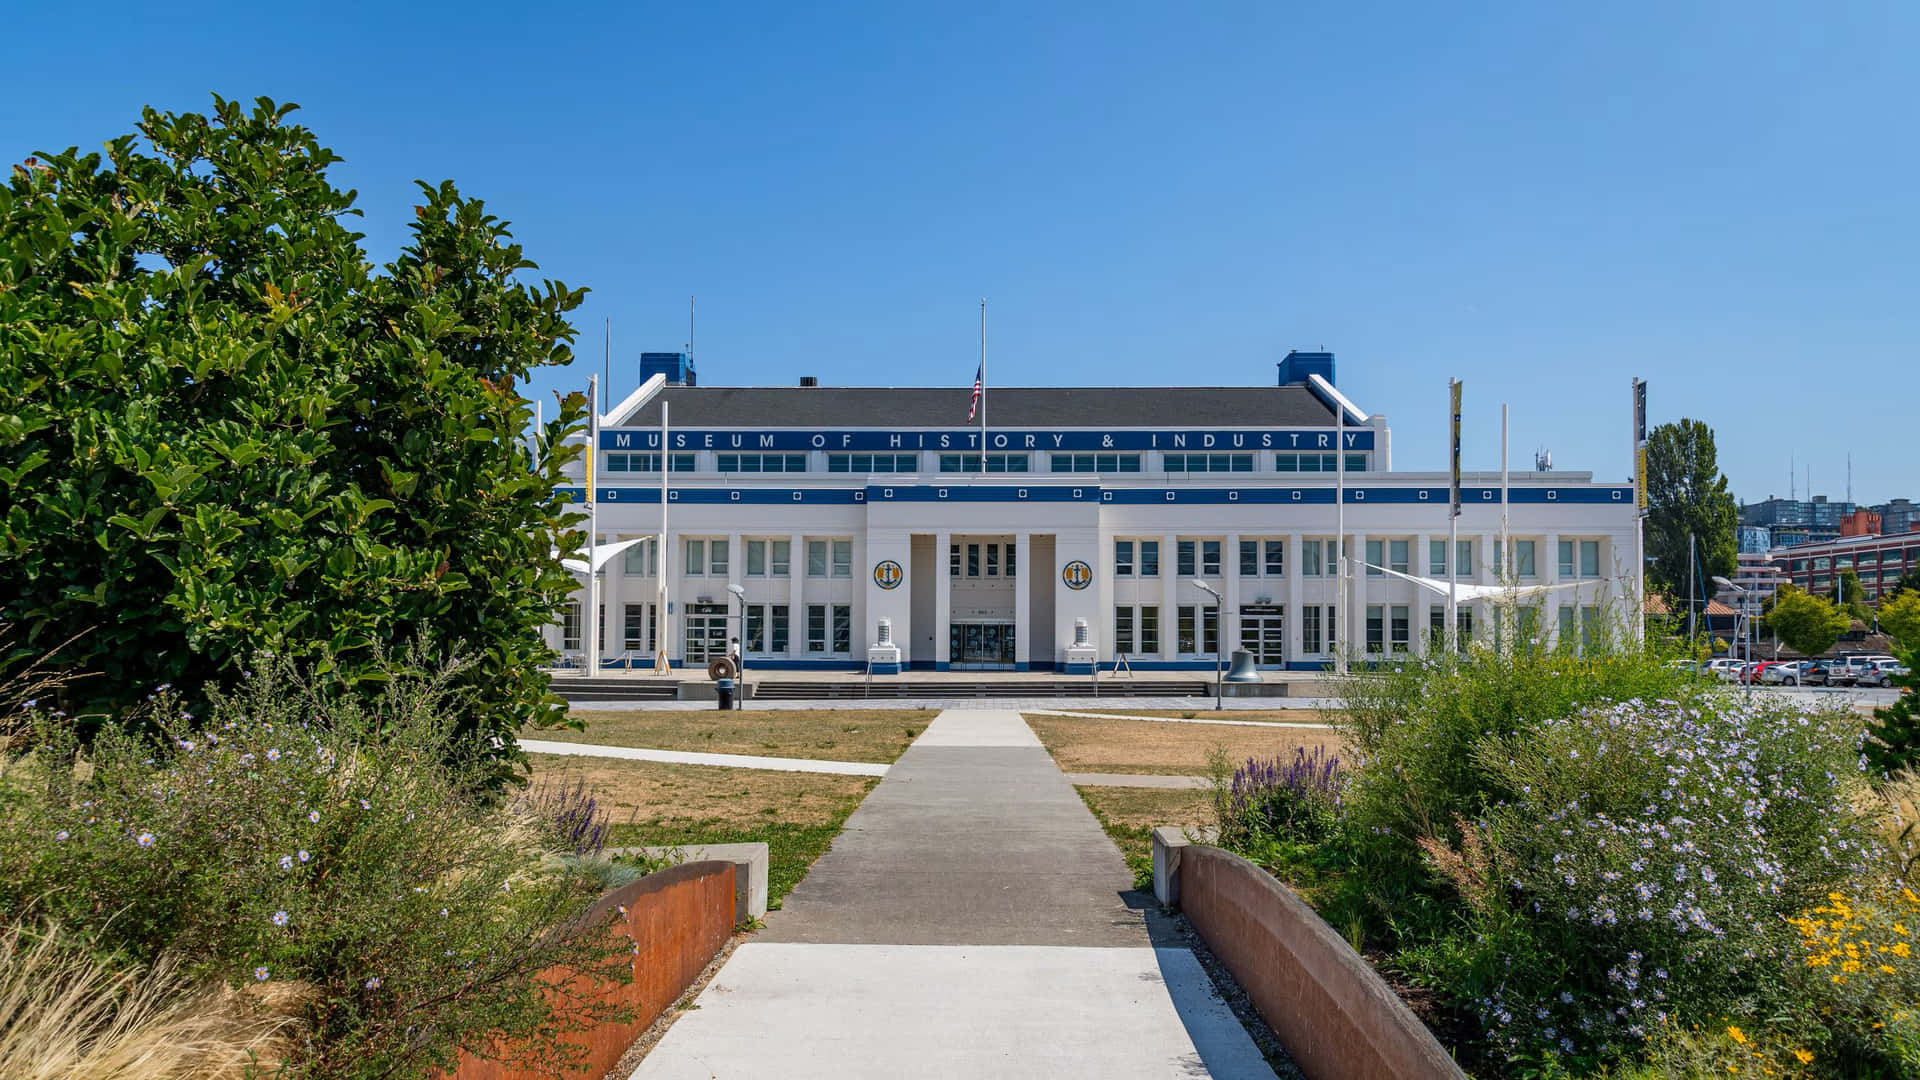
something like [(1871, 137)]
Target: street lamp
[(1745, 614), (740, 594), (1220, 612)]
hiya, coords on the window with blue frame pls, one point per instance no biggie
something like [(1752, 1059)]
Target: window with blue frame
[(873, 463), (760, 463), (996, 463), (1206, 463), (1061, 462)]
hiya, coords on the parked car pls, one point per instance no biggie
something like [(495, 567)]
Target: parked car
[(1785, 673), (1724, 668), (1881, 673), (1827, 673), (1755, 673)]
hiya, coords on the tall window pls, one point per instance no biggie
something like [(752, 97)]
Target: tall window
[(1149, 558), (817, 559), (717, 558), (1275, 564), (1400, 627), (993, 560), (1210, 558), (1523, 561), (1310, 641), (816, 628), (1437, 558), (1184, 562), (637, 627), (1011, 558), (1123, 630), (1589, 558), (696, 557), (953, 560), (1123, 558), (1149, 629), (1375, 554), (1310, 562), (1397, 556), (1249, 557), (843, 558), (973, 560), (570, 627), (1566, 558), (782, 558), (842, 628), (641, 559), (1198, 629), (1376, 628)]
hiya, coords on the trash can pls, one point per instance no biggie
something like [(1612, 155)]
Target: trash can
[(725, 687)]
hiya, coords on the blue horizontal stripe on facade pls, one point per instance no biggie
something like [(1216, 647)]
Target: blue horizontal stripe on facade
[(1174, 439), (1356, 496)]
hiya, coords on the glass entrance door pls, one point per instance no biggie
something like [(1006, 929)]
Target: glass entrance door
[(706, 633), (1264, 634), (980, 645)]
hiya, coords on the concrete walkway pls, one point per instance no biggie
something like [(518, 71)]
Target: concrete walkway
[(686, 757), (1139, 780), (973, 921)]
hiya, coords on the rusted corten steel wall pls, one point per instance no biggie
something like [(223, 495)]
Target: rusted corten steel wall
[(680, 918), (1334, 1015)]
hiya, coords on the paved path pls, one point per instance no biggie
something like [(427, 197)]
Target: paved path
[(685, 757), (1140, 780), (973, 921)]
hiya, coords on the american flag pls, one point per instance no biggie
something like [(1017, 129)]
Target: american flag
[(973, 409)]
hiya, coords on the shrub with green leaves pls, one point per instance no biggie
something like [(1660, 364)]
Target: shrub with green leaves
[(222, 431), (299, 838)]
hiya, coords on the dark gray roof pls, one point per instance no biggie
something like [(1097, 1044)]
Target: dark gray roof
[(1007, 407)]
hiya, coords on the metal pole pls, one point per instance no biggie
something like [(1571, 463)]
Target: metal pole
[(662, 665), (983, 386), (1340, 536), (591, 616), (1506, 556), (1453, 515)]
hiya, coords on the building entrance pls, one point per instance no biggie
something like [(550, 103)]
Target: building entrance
[(981, 645), (1263, 632), (706, 633)]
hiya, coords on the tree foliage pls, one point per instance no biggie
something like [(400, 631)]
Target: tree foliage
[(1895, 730), (1909, 583), (1804, 622), (222, 431), (1687, 496), (1848, 593), (1900, 619)]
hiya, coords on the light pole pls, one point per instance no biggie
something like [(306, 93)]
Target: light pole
[(1746, 617), (740, 594), (1220, 613)]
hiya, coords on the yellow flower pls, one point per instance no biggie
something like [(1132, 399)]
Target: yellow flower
[(1901, 948), (1805, 1056), (1736, 1035), (1886, 968)]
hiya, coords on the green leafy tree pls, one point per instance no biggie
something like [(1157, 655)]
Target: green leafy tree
[(1895, 730), (1847, 595), (222, 431), (1900, 619), (1687, 497), (1909, 583), (1806, 623)]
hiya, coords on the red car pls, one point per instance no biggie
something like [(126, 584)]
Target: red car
[(1750, 674)]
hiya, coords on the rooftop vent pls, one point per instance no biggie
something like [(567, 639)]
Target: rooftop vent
[(809, 380)]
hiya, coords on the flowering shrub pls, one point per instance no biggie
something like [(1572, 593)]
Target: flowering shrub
[(1281, 800), (1652, 852), (292, 839), (1860, 954)]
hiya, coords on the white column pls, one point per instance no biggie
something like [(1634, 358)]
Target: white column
[(861, 612), (942, 600), (1356, 613), (1230, 623), (1420, 564), (1554, 599), (797, 606), (736, 566), (1169, 597), (613, 589), (1022, 601), (1486, 614), (1294, 606)]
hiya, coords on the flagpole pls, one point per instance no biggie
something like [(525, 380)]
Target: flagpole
[(591, 616), (983, 386), (661, 665), (1340, 536), (1506, 556), (1453, 520)]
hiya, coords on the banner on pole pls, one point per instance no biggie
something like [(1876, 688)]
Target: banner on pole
[(1454, 386), (593, 447), (1640, 445)]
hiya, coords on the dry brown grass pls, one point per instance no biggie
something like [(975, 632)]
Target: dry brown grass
[(65, 1017), (821, 734), (651, 792), (1131, 814), (1082, 744), (1265, 716)]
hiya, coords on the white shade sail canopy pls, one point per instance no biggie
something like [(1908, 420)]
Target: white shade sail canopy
[(1464, 591), (602, 555)]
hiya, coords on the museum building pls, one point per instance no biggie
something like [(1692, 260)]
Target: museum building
[(833, 526)]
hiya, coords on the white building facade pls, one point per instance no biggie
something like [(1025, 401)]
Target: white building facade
[(837, 510)]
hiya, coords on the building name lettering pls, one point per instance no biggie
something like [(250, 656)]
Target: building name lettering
[(789, 439)]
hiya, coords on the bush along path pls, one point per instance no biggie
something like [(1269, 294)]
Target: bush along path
[(972, 920)]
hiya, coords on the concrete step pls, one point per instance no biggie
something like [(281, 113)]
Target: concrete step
[(581, 688)]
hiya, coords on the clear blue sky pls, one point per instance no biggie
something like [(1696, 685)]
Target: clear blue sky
[(1543, 201)]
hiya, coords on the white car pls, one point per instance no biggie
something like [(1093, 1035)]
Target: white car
[(1880, 672), (1726, 669), (1787, 674)]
